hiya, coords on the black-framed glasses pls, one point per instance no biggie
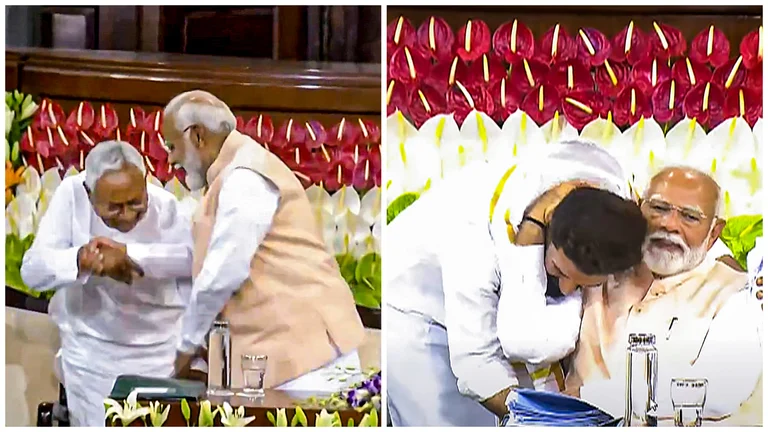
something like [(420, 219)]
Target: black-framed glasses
[(660, 208)]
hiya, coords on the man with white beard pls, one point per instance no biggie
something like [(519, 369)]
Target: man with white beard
[(704, 319)]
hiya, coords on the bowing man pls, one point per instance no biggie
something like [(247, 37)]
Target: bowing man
[(482, 280), (117, 251)]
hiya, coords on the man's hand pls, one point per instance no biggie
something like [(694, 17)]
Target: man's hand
[(181, 367), (546, 204), (89, 260), (116, 263), (497, 403)]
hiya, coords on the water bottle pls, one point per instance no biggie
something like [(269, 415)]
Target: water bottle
[(642, 378), (219, 359)]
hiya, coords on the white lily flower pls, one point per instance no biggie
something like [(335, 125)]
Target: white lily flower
[(479, 133), (376, 235), (20, 214), (206, 416), (393, 188), (414, 161), (558, 129), (370, 206), (604, 133), (319, 199), (30, 182), (9, 115), (644, 150), (521, 135), (399, 130), (49, 181), (352, 236), (128, 413), (29, 108), (440, 133), (157, 415), (682, 139), (758, 131), (325, 419), (153, 180), (71, 171), (234, 418), (175, 187), (343, 200)]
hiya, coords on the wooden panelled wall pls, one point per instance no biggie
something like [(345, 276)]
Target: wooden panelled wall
[(302, 90), (734, 21)]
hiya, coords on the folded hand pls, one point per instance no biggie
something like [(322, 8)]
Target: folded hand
[(114, 261)]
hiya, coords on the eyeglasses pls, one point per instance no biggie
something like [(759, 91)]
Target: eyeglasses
[(660, 209)]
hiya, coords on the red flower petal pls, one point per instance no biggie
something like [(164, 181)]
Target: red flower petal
[(666, 41), (473, 40), (374, 156), (743, 102), (513, 41), (649, 73), (344, 134), (260, 129), (445, 74), (551, 51), (593, 47), (541, 103), (570, 76), (634, 52), (663, 96), (580, 108), (106, 123), (528, 75), (32, 140), (315, 134), (409, 65), (400, 33), (630, 105), (731, 74), (397, 97), (81, 117), (435, 37), (755, 80), (690, 74), (426, 103), (136, 122), (462, 101), (505, 98), (363, 176), (705, 102), (341, 168), (611, 78), (370, 132), (50, 114), (751, 49), (65, 141), (485, 71), (710, 46), (290, 134)]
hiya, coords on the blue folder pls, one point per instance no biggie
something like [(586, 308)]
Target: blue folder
[(541, 408)]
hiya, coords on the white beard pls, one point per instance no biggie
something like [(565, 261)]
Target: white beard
[(668, 263), (192, 165)]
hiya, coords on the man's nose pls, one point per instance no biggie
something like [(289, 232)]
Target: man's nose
[(671, 222), (127, 215)]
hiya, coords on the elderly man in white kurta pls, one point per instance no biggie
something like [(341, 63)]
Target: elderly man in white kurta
[(706, 321), (118, 253), (468, 313)]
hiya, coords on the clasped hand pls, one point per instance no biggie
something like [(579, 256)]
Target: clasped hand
[(108, 258)]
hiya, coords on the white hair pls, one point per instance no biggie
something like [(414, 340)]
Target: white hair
[(110, 156), (217, 118), (719, 204)]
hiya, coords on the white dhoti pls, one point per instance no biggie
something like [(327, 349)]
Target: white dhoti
[(329, 378), (421, 387)]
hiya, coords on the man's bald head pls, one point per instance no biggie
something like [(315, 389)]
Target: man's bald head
[(681, 205), (195, 127)]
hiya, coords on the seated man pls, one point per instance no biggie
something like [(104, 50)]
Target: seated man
[(705, 323), (118, 253)]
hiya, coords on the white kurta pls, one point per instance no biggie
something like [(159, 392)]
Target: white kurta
[(247, 205), (462, 300), (108, 328)]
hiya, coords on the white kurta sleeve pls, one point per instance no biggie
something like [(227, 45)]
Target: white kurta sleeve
[(247, 204), (530, 330), (51, 261), (469, 275), (172, 256)]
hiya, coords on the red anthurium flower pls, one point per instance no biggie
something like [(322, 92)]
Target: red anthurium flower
[(290, 134), (611, 78), (35, 141), (473, 40), (555, 45), (259, 128), (580, 108), (711, 46), (409, 66), (528, 75), (513, 41), (341, 168), (690, 74), (541, 103), (400, 32), (461, 101), (426, 103), (435, 37), (50, 114), (314, 168), (751, 48), (667, 101), (62, 141), (363, 177), (374, 156), (731, 74), (506, 99), (315, 134), (397, 97), (649, 73), (755, 80), (705, 102), (666, 41), (136, 124), (344, 134), (154, 147), (630, 105), (485, 71), (82, 117), (743, 102), (569, 76), (370, 132), (160, 169), (445, 74), (593, 47), (630, 45), (298, 157), (106, 123)]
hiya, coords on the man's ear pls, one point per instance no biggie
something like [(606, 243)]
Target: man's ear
[(716, 230), (197, 135)]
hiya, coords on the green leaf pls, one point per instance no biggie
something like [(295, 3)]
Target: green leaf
[(347, 266), (15, 152), (740, 234), (299, 418), (365, 297), (399, 204), (271, 417), (185, 412), (7, 150), (369, 265), (351, 422)]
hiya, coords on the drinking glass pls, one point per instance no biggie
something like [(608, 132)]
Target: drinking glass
[(688, 398), (254, 369)]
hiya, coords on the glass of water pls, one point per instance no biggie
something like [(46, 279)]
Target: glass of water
[(688, 398), (254, 369)]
